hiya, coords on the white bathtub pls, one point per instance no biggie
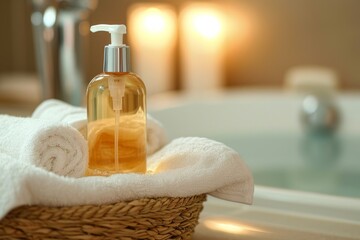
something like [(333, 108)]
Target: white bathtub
[(297, 195)]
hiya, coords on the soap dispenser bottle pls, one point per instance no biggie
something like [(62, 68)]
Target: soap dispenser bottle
[(116, 111)]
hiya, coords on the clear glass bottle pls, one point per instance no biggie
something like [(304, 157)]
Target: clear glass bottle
[(116, 108)]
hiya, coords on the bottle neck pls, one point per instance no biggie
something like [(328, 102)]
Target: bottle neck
[(116, 59)]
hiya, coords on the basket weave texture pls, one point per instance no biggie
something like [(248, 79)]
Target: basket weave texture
[(147, 218)]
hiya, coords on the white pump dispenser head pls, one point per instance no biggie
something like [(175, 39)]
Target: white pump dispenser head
[(116, 32), (116, 59), (116, 54)]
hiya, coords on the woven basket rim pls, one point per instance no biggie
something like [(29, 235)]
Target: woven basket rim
[(145, 218)]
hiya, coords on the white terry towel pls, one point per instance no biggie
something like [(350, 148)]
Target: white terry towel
[(60, 111), (185, 167), (56, 147)]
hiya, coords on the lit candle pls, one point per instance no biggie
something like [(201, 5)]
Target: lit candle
[(152, 34), (202, 46)]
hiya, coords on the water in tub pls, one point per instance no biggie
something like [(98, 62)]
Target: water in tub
[(312, 182)]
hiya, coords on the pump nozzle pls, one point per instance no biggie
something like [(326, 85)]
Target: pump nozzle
[(116, 32), (116, 54)]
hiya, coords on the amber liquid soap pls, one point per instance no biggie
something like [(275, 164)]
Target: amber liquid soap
[(116, 138)]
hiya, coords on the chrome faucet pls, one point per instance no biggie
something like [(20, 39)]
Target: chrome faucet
[(319, 113), (60, 29)]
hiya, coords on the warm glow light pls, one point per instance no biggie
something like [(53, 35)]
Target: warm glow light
[(154, 20), (207, 24), (230, 226), (152, 24), (205, 20), (226, 227)]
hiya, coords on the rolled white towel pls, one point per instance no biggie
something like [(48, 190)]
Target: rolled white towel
[(60, 111), (56, 147)]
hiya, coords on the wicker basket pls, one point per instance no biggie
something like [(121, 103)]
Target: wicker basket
[(148, 218)]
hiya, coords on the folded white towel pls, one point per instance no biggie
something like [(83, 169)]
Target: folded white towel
[(56, 147), (185, 167), (202, 165), (59, 111)]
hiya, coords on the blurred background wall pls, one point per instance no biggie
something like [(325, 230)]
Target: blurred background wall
[(266, 38)]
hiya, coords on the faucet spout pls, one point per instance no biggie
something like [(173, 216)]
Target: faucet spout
[(319, 113), (60, 30)]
